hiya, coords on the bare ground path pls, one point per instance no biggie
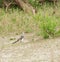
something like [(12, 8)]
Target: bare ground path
[(36, 51)]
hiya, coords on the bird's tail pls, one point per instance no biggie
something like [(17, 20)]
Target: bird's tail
[(16, 41)]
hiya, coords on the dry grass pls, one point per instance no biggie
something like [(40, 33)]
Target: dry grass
[(16, 21)]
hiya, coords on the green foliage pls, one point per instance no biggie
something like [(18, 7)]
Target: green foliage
[(48, 27), (1, 3)]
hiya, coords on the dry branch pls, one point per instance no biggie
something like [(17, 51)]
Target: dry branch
[(25, 6)]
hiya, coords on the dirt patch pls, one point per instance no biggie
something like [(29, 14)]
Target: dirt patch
[(33, 51)]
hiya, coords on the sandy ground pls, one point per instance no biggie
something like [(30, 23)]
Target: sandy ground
[(39, 50)]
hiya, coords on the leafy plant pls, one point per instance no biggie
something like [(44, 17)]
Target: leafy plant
[(48, 27)]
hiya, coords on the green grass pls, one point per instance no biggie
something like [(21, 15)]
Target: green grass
[(43, 23)]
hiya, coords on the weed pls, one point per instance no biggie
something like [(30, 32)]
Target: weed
[(48, 27)]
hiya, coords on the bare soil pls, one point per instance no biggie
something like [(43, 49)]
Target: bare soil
[(32, 49)]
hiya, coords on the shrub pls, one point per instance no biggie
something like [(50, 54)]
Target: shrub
[(48, 27)]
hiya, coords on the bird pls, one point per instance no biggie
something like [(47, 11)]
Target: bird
[(21, 38)]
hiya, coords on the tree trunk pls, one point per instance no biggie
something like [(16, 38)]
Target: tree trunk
[(25, 6)]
